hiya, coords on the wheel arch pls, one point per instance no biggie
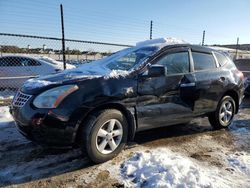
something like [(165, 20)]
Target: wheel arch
[(235, 96), (129, 113)]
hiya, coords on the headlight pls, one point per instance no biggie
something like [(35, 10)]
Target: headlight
[(53, 97)]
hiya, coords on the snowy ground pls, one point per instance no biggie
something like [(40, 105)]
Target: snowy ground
[(165, 168), (6, 96), (179, 156)]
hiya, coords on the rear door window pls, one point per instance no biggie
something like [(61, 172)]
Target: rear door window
[(203, 61), (32, 62), (29, 62)]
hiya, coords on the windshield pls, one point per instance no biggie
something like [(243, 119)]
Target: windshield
[(129, 58)]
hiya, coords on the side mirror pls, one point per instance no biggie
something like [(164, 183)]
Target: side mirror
[(156, 71)]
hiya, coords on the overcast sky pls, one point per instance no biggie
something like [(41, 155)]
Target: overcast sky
[(128, 21)]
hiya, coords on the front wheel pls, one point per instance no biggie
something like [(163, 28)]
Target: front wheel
[(104, 135), (224, 114)]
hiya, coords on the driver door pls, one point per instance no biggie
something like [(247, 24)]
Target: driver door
[(169, 98)]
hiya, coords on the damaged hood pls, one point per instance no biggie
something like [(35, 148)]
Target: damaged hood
[(85, 72)]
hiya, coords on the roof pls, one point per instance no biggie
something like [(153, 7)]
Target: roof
[(192, 46), (170, 42)]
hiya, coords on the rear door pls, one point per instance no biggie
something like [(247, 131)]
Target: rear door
[(13, 72), (48, 67), (210, 81), (168, 99), (33, 66), (29, 65), (37, 68), (12, 67)]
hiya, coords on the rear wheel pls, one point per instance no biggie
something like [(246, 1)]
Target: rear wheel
[(104, 135), (224, 114)]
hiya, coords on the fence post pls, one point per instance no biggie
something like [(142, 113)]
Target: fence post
[(63, 39), (203, 38), (237, 46), (151, 29)]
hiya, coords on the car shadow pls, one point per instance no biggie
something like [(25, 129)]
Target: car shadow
[(197, 126)]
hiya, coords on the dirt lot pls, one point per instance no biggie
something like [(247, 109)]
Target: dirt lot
[(24, 164)]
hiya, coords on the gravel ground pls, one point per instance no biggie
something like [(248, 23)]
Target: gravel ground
[(23, 163)]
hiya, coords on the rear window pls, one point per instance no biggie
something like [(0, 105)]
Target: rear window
[(203, 61), (48, 60), (222, 59)]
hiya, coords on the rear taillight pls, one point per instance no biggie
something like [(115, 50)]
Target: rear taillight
[(240, 74)]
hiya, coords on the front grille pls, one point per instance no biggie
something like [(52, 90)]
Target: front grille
[(20, 99)]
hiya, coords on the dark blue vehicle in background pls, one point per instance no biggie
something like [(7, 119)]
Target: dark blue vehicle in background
[(244, 66)]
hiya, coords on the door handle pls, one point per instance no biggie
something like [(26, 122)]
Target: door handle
[(192, 84)]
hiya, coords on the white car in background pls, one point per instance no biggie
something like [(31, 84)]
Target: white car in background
[(15, 70)]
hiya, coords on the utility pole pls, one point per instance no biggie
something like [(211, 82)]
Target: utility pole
[(28, 49), (151, 29), (63, 39), (203, 38), (237, 46)]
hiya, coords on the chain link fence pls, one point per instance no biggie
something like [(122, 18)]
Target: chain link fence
[(23, 57)]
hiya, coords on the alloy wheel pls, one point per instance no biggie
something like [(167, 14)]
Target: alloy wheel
[(226, 112), (109, 136)]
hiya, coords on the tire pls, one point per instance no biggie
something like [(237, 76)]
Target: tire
[(217, 119), (93, 136)]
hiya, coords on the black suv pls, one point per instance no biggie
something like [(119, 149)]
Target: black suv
[(102, 104)]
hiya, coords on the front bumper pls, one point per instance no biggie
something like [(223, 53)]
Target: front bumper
[(43, 126)]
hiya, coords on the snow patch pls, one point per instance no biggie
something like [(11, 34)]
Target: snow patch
[(240, 162), (79, 75), (5, 115), (164, 168), (36, 83), (156, 42), (129, 90), (6, 94), (117, 74)]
